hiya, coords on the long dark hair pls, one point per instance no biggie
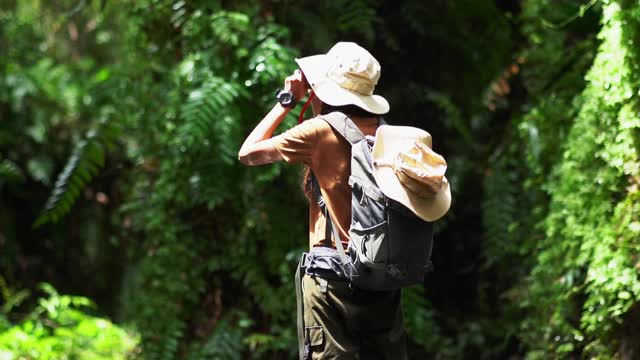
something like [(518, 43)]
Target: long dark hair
[(349, 110)]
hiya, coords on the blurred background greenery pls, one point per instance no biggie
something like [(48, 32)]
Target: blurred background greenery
[(120, 122)]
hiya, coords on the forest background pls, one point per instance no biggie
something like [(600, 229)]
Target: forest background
[(128, 229)]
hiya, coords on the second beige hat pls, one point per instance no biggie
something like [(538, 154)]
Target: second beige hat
[(407, 170)]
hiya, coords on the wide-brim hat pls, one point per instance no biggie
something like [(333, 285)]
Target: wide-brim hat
[(346, 75), (407, 170)]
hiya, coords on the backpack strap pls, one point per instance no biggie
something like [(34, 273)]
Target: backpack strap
[(300, 307), (344, 126), (336, 236)]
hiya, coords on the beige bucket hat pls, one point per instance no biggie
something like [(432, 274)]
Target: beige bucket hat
[(409, 171), (347, 74)]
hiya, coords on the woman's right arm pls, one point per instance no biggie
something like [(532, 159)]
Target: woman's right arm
[(258, 148)]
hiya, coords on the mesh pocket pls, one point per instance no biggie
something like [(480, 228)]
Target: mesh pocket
[(368, 233), (373, 245)]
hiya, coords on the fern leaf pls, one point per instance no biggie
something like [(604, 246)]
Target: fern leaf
[(226, 342), (83, 165), (357, 16), (500, 211), (227, 26), (206, 108), (419, 317), (9, 172)]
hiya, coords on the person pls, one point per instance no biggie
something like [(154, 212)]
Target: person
[(340, 321)]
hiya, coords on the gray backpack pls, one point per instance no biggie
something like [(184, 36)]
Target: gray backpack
[(389, 246)]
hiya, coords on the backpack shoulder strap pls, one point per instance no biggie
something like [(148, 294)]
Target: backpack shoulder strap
[(343, 125), (346, 127)]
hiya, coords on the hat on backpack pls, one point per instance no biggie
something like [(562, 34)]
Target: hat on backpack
[(409, 171), (346, 75)]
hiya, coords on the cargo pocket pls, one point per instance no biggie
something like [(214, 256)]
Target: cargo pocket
[(314, 338), (316, 335)]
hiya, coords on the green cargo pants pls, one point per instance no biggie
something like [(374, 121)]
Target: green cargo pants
[(345, 323)]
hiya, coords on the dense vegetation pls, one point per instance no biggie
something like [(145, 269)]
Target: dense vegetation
[(119, 182)]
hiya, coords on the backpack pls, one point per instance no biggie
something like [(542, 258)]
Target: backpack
[(389, 247)]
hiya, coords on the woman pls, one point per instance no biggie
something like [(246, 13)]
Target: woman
[(339, 322)]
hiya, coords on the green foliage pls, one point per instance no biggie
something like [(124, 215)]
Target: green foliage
[(197, 209), (316, 25), (420, 322), (577, 300), (83, 165), (58, 328), (147, 103), (225, 343), (9, 172)]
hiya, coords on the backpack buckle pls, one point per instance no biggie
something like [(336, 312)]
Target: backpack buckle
[(428, 267), (395, 273), (304, 261)]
